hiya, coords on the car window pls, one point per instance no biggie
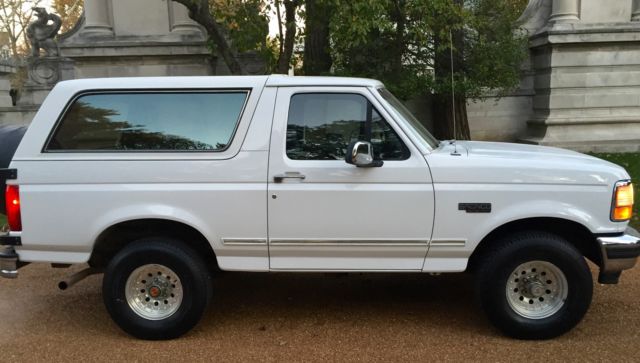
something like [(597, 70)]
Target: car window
[(321, 126), (162, 121)]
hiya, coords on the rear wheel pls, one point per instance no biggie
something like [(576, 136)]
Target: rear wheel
[(156, 288), (534, 285)]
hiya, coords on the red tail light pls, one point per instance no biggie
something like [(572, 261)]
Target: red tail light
[(12, 198)]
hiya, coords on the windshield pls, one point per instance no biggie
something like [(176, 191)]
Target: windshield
[(416, 126)]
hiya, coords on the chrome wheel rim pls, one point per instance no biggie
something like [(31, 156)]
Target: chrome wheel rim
[(154, 292), (537, 289)]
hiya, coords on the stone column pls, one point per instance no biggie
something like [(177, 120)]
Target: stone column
[(565, 11), (635, 10), (97, 18), (180, 21)]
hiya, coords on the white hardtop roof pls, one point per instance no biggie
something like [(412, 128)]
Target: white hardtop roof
[(229, 82), (278, 80)]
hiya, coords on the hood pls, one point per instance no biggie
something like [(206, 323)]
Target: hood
[(495, 162), (520, 151)]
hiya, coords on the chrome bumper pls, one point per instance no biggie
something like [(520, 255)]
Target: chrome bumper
[(8, 262), (618, 253)]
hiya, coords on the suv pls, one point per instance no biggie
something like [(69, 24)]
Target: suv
[(161, 182)]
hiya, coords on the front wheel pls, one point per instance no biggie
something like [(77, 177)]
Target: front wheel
[(156, 288), (534, 285)]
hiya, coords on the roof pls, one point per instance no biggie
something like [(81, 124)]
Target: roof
[(278, 80), (213, 81)]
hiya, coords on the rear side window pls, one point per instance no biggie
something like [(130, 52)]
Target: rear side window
[(162, 121)]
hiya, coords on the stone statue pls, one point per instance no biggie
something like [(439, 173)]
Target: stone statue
[(41, 33), (535, 16)]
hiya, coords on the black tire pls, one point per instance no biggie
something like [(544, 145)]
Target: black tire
[(195, 282), (495, 271)]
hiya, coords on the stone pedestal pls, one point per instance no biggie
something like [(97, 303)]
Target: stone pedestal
[(44, 73), (137, 38), (47, 71), (587, 87)]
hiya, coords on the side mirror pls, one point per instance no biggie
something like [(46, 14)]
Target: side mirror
[(360, 154)]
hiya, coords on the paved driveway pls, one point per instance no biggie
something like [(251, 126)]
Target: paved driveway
[(311, 317)]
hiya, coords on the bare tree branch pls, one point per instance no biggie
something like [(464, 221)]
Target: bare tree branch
[(14, 19)]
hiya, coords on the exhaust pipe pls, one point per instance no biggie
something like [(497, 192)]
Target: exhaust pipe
[(77, 277)]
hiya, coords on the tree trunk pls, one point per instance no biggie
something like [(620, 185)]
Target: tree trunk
[(14, 48), (443, 107), (317, 59), (199, 11), (284, 59), (399, 17), (280, 32), (443, 118)]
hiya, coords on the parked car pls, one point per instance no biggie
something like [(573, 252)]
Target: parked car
[(161, 182)]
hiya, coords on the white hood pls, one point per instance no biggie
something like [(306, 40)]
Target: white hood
[(494, 162)]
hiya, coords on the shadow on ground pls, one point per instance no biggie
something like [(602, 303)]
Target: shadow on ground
[(273, 317)]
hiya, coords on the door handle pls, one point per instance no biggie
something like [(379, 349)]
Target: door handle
[(279, 178)]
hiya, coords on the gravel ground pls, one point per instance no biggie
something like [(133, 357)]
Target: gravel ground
[(308, 317)]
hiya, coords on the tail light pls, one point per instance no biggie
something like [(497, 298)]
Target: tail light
[(12, 199), (622, 208)]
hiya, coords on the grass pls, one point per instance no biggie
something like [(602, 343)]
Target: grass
[(631, 162)]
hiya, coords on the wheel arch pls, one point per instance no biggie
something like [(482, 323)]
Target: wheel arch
[(575, 233), (114, 238)]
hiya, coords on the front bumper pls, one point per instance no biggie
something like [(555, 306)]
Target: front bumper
[(618, 253)]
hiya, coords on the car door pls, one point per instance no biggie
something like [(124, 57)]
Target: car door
[(325, 214)]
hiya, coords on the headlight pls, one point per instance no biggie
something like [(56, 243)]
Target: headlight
[(622, 207)]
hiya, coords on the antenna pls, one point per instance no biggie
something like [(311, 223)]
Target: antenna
[(453, 97)]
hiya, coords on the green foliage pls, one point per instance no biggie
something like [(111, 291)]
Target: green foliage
[(493, 50), (366, 43), (247, 24), (398, 41)]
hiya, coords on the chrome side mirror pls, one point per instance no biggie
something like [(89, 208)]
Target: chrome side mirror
[(360, 154)]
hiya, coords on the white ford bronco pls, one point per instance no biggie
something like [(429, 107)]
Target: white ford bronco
[(161, 182)]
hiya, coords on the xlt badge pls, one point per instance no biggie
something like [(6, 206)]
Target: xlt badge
[(475, 207)]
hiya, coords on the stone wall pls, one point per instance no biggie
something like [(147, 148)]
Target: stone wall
[(587, 88), (581, 87), (587, 77), (9, 114), (6, 70)]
